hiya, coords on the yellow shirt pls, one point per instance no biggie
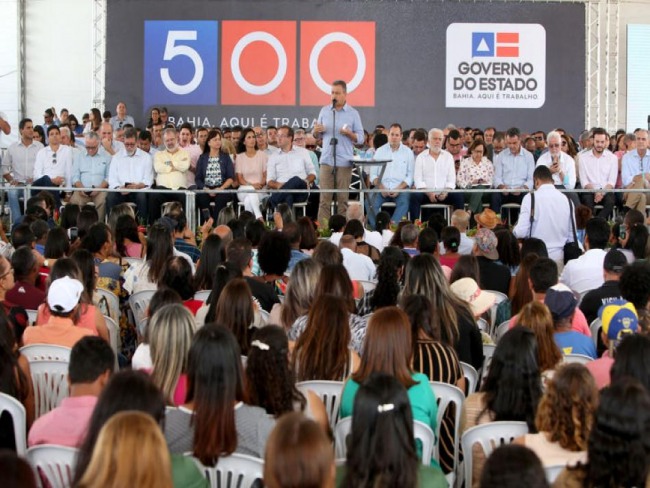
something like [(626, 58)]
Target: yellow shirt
[(171, 168)]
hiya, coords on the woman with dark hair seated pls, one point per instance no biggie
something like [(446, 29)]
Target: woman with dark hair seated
[(388, 349), (270, 382), (273, 256), (381, 447), (513, 466), (211, 257), (127, 238), (619, 443), (146, 275), (216, 420), (177, 275), (511, 391)]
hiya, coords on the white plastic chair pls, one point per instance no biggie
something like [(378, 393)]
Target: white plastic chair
[(501, 330), (133, 261), (577, 358), (489, 437), (500, 297), (202, 295), (594, 327), (447, 394), (31, 316), (234, 471), (368, 286), (488, 352), (552, 472), (328, 391), (49, 368), (139, 302), (54, 464), (112, 302), (18, 418), (471, 376), (113, 336), (266, 317), (421, 432)]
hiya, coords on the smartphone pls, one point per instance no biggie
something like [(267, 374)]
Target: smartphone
[(622, 232), (73, 233), (205, 214)]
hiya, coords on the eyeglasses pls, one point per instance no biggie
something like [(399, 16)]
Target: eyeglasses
[(92, 148), (554, 145), (538, 138), (311, 146), (54, 158), (564, 143)]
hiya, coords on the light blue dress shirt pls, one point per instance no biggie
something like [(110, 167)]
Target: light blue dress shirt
[(90, 170), (514, 170), (345, 148), (399, 170), (633, 165)]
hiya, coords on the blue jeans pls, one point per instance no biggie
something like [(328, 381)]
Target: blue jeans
[(46, 181), (294, 183), (401, 206), (13, 196)]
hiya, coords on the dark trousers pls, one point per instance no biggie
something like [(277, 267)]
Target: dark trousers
[(419, 199), (220, 200), (499, 199), (607, 202), (294, 183), (140, 199), (46, 181), (157, 199)]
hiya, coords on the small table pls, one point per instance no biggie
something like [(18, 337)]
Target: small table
[(361, 164)]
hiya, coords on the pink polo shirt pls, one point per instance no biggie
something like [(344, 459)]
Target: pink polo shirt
[(66, 425), (600, 369), (59, 331), (579, 323)]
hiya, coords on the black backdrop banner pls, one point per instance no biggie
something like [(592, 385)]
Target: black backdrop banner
[(423, 64)]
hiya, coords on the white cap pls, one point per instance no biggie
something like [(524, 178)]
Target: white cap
[(64, 294)]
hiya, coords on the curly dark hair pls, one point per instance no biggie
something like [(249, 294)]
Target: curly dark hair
[(269, 381), (566, 411), (635, 288), (619, 444), (392, 260)]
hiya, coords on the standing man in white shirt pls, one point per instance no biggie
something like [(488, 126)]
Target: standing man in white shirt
[(131, 169), (552, 216), (397, 176), (434, 170), (562, 166), (636, 171), (18, 165), (598, 171), (289, 169), (53, 165), (121, 119)]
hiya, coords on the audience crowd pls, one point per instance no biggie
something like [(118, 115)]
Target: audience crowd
[(533, 303)]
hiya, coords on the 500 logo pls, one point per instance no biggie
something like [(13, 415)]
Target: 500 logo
[(259, 64)]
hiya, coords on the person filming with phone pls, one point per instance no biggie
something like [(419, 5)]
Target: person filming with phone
[(562, 166)]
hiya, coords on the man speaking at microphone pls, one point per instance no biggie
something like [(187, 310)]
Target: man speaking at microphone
[(335, 158)]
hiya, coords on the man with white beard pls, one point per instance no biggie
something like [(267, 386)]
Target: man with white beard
[(131, 169), (434, 170)]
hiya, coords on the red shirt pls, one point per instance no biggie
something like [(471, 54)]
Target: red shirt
[(26, 295)]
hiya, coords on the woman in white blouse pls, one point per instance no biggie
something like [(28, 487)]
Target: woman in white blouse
[(475, 172)]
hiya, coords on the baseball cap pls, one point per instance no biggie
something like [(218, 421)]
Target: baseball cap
[(487, 242), (614, 261), (618, 318), (64, 294), (561, 301)]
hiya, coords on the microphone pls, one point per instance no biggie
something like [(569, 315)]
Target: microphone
[(333, 103)]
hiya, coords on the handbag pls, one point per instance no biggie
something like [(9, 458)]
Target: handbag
[(572, 249)]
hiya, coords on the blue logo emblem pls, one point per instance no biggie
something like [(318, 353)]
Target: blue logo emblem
[(482, 44)]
